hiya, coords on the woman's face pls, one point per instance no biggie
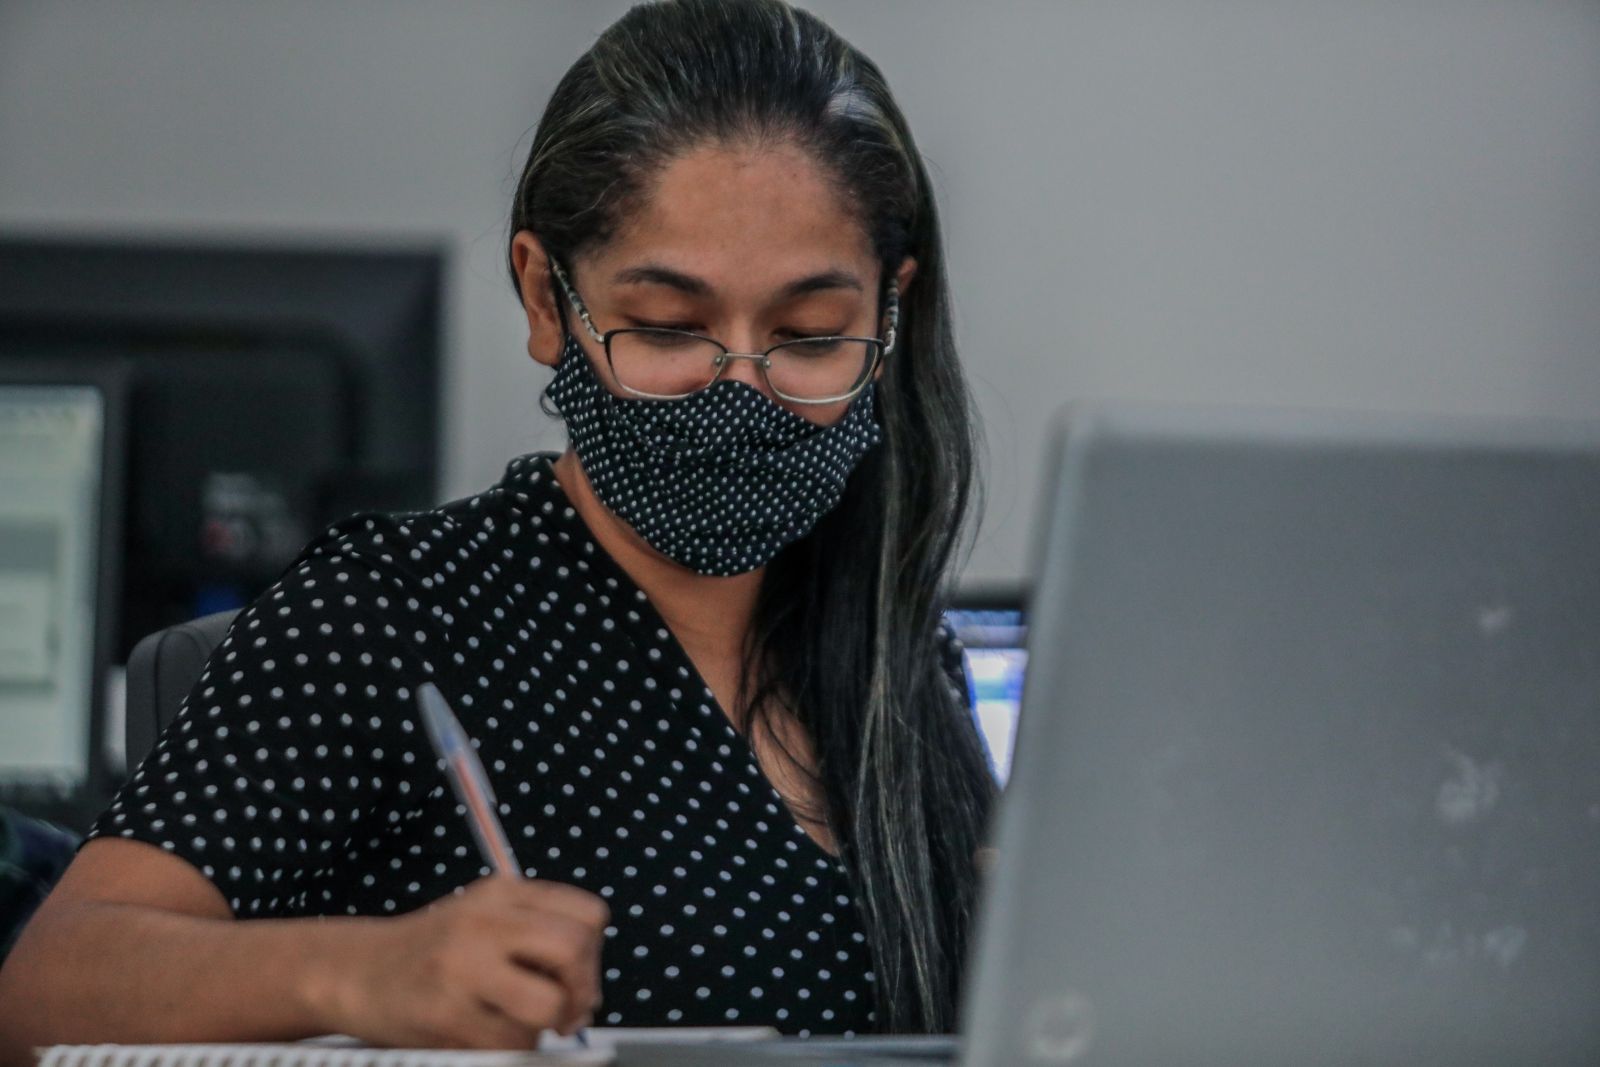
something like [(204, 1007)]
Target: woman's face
[(748, 245)]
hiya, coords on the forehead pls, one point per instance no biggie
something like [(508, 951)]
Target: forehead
[(745, 218)]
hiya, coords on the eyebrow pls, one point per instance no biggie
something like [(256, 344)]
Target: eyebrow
[(655, 274)]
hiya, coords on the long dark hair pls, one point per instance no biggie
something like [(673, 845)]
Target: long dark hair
[(845, 623)]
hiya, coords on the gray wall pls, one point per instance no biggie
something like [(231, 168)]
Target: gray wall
[(1372, 205)]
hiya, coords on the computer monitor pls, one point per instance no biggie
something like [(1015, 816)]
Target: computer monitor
[(60, 477), (993, 627), (275, 387)]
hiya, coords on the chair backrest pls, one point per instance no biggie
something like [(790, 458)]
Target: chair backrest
[(161, 670)]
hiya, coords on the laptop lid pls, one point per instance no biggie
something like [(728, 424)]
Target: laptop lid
[(1309, 762)]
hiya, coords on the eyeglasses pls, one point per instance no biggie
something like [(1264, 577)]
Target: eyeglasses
[(662, 364)]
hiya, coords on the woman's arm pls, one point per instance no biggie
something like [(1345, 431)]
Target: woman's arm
[(135, 945)]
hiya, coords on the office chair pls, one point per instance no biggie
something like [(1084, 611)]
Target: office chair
[(162, 669)]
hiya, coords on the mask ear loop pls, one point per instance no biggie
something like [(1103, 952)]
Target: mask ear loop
[(559, 282), (546, 404), (891, 338), (892, 313)]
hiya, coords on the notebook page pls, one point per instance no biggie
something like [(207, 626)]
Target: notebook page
[(337, 1050), (309, 1055)]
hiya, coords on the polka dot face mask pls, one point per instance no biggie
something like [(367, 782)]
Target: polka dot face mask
[(719, 480)]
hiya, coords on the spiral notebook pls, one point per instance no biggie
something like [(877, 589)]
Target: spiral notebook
[(339, 1051)]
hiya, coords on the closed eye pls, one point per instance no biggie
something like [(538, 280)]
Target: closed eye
[(796, 335), (791, 335)]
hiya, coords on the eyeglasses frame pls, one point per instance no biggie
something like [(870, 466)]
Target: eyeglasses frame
[(882, 347)]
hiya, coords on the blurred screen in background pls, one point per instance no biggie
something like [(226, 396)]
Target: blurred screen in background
[(50, 485)]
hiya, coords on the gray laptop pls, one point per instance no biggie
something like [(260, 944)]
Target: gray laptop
[(1309, 761)]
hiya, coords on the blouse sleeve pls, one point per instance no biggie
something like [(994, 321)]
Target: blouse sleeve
[(300, 732)]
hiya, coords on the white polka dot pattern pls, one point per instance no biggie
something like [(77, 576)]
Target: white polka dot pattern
[(297, 779), (719, 480)]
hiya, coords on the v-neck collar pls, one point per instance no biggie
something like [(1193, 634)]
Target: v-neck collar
[(535, 474)]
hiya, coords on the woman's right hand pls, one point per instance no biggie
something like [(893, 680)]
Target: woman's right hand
[(489, 967)]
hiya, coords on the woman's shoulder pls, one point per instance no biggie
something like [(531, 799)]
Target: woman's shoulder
[(420, 578), (429, 547)]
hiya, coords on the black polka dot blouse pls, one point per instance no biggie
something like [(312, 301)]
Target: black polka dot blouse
[(297, 776)]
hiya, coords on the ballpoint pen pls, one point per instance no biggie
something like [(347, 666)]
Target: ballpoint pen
[(471, 786)]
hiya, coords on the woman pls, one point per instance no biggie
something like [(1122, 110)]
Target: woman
[(700, 650)]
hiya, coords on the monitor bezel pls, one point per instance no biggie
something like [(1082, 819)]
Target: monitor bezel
[(990, 597)]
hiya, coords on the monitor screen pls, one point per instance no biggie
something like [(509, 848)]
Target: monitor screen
[(51, 455), (996, 659)]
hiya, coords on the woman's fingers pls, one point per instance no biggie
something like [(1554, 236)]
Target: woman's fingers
[(564, 949), (529, 999), (579, 905)]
